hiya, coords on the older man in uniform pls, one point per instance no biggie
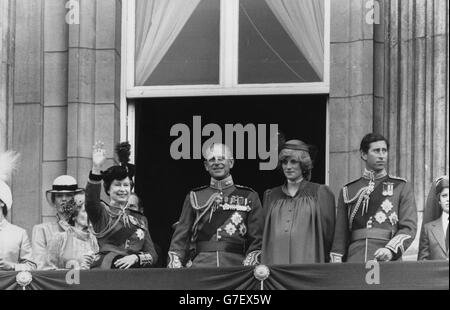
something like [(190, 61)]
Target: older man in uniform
[(220, 224), (376, 215)]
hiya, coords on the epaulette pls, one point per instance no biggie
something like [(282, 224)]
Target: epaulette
[(397, 178), (245, 187), (354, 181), (199, 188)]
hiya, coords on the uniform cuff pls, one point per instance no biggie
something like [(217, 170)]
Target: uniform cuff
[(95, 177), (396, 244), (174, 260), (252, 258), (336, 257)]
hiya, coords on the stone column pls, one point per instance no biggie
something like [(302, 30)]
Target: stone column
[(412, 108), (351, 93), (26, 117), (94, 84), (6, 69)]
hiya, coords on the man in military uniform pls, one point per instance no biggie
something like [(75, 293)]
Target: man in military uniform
[(376, 215), (220, 224)]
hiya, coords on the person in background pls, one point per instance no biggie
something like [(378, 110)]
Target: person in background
[(75, 247), (134, 203), (63, 190), (376, 214), (433, 209), (433, 243), (122, 233), (300, 215), (15, 247)]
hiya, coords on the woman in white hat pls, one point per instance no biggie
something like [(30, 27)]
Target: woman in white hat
[(76, 247), (15, 247), (63, 190)]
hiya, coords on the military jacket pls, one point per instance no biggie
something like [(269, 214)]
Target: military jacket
[(119, 232), (379, 209), (222, 214)]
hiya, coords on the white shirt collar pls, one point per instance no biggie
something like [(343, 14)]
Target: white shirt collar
[(444, 219), (295, 182)]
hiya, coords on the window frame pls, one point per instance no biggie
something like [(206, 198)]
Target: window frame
[(229, 59), (228, 86)]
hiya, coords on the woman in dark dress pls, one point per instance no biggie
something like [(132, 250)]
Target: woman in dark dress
[(122, 233), (300, 215)]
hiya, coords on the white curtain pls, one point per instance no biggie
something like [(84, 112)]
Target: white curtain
[(158, 23), (303, 20)]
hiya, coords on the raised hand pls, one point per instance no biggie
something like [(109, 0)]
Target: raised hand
[(98, 157)]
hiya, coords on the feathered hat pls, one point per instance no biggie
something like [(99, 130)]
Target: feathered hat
[(121, 171), (8, 163)]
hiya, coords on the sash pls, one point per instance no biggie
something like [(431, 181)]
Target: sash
[(376, 199), (207, 229)]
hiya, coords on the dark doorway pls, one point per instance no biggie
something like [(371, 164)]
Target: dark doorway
[(163, 183)]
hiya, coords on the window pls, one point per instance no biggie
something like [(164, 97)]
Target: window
[(226, 47)]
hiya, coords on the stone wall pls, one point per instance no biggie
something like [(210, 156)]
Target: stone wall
[(351, 89), (66, 83)]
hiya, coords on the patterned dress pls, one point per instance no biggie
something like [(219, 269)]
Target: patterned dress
[(67, 249)]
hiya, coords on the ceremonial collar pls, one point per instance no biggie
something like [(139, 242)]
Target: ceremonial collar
[(372, 175), (222, 184)]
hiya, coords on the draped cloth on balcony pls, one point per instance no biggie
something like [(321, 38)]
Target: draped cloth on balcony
[(346, 276)]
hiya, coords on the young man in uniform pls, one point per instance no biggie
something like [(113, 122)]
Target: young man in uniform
[(221, 224), (376, 215)]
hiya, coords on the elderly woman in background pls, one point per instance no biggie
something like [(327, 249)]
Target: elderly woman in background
[(122, 233), (300, 215), (76, 247), (433, 243), (15, 247)]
